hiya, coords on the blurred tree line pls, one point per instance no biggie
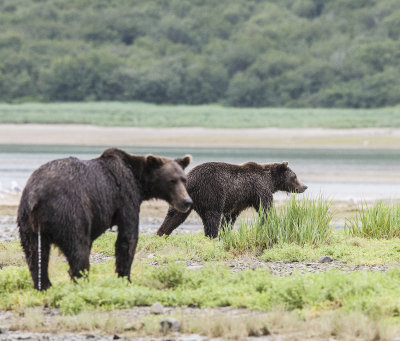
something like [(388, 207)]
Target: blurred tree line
[(294, 53)]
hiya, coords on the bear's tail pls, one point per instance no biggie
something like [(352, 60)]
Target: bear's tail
[(34, 214)]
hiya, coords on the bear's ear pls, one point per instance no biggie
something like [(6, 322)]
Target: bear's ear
[(285, 164), (153, 162), (184, 161)]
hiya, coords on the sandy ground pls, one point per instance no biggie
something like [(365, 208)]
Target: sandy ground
[(131, 136)]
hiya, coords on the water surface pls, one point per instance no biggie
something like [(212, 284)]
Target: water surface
[(342, 174)]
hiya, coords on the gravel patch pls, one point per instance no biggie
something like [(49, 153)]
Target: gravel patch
[(282, 269), (8, 228), (18, 336), (15, 336)]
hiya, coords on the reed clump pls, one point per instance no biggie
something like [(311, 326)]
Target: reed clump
[(301, 221), (380, 221)]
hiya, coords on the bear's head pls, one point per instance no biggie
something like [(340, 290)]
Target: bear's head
[(286, 180), (166, 180)]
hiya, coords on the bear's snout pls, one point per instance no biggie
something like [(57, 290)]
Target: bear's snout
[(302, 189), (184, 205), (187, 203)]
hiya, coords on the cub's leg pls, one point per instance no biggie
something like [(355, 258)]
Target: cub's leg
[(211, 221), (265, 202), (229, 219)]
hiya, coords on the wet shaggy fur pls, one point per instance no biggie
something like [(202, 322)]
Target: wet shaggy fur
[(220, 191), (72, 202)]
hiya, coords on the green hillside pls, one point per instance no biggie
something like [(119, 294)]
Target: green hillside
[(293, 53)]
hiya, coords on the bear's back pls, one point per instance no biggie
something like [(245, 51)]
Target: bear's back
[(224, 177), (222, 169)]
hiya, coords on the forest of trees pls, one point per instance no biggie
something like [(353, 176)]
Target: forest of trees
[(248, 53)]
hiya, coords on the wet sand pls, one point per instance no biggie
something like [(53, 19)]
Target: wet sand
[(42, 134)]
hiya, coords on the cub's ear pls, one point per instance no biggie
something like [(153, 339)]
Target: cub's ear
[(282, 166), (184, 161), (153, 162)]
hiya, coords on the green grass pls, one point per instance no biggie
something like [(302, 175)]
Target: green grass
[(300, 221), (379, 221), (354, 251), (167, 249), (213, 286), (296, 232), (209, 116)]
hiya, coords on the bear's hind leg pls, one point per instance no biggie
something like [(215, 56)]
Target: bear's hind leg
[(29, 241), (77, 252), (211, 221), (173, 219)]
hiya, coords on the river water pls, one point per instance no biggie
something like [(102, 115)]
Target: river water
[(340, 174)]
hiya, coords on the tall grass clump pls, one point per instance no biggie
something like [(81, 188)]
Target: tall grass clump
[(381, 221), (300, 221)]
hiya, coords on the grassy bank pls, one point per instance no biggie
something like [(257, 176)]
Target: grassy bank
[(208, 116), (162, 273), (212, 286)]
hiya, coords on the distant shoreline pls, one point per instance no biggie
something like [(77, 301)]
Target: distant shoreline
[(63, 134)]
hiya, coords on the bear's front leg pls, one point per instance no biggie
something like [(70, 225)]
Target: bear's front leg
[(264, 202), (125, 246), (211, 221)]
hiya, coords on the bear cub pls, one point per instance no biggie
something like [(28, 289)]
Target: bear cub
[(220, 191)]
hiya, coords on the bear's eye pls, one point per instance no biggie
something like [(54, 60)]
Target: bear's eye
[(183, 180), (173, 181)]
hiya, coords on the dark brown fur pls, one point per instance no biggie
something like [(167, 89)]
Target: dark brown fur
[(72, 202), (220, 191)]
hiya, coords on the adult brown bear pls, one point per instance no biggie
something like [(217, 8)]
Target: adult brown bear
[(71, 202), (220, 191)]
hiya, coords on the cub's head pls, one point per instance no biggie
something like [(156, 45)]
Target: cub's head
[(285, 179), (166, 180)]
